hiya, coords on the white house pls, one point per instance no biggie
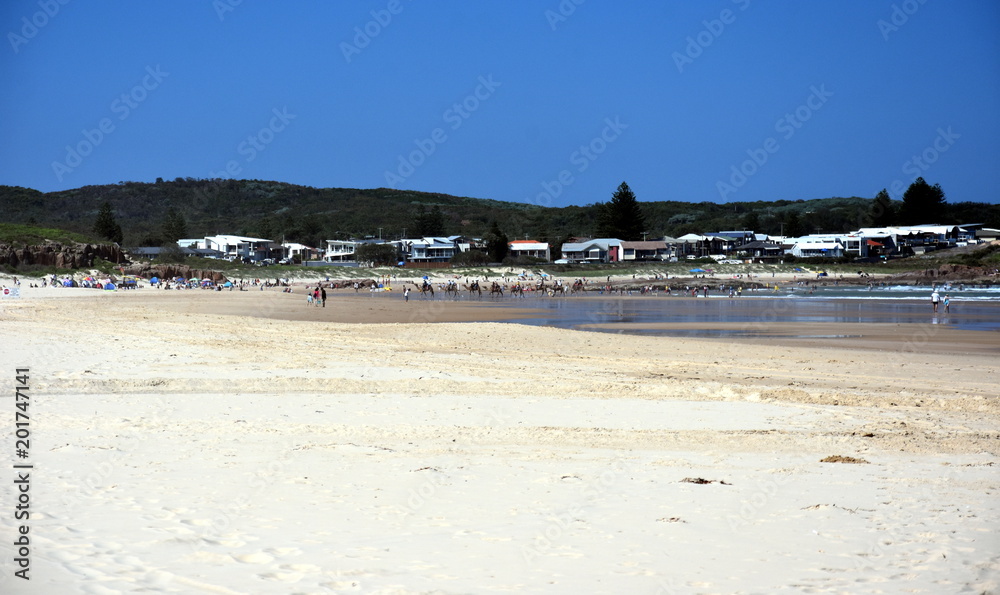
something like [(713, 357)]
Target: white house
[(529, 248), (814, 249), (340, 250)]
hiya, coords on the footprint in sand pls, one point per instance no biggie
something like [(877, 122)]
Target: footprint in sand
[(255, 558), (342, 585), (290, 577), (284, 551)]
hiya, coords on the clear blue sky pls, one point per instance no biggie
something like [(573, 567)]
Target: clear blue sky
[(557, 103)]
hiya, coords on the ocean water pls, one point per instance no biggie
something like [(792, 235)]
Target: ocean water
[(971, 309)]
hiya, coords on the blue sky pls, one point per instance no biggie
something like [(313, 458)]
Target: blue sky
[(553, 103)]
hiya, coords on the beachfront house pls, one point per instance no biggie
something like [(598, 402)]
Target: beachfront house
[(299, 252), (816, 249), (596, 250), (232, 247), (432, 249), (852, 244), (529, 248), (646, 250), (340, 250), (760, 251)]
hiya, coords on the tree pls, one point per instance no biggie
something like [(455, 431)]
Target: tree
[(429, 223), (922, 203), (882, 212), (751, 222), (174, 226), (621, 217), (376, 254), (105, 226), (497, 243), (793, 227)]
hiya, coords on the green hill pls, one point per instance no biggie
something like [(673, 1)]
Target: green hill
[(311, 215)]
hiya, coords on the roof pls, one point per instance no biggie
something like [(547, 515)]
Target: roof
[(759, 246), (528, 245), (819, 246), (228, 239), (645, 245)]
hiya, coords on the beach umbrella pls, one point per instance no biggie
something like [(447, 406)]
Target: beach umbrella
[(227, 284), (109, 285), (154, 280), (697, 271)]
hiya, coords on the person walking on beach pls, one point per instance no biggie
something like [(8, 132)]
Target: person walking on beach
[(935, 299), (322, 295), (406, 294), (947, 303)]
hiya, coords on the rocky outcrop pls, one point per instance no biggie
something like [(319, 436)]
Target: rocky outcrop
[(63, 256), (948, 272)]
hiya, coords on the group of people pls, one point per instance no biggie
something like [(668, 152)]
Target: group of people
[(936, 301), (316, 297)]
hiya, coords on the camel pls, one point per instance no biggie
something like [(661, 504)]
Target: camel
[(496, 289), (474, 288), (424, 288)]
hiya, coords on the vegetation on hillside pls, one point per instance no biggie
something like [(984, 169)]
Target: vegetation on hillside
[(154, 214)]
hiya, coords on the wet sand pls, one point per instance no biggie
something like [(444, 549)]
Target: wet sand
[(755, 320)]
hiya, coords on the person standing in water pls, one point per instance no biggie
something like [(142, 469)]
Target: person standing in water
[(935, 299)]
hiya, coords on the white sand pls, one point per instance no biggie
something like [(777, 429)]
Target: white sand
[(189, 453)]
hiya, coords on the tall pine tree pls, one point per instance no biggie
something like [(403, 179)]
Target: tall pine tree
[(883, 212), (922, 203), (105, 226), (174, 226), (621, 217)]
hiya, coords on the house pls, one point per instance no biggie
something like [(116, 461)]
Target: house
[(596, 250), (300, 252), (340, 250), (432, 249), (529, 248), (853, 244), (245, 248), (816, 249), (696, 246), (231, 247), (759, 250), (646, 250)]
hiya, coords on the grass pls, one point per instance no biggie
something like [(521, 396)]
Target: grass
[(13, 233)]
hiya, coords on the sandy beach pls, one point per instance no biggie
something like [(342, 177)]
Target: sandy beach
[(217, 442)]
